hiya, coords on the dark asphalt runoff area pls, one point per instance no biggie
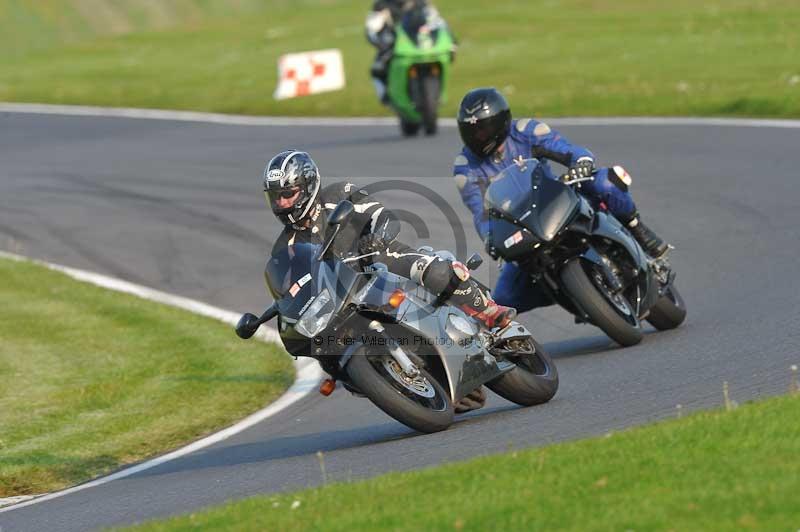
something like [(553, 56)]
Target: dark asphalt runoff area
[(178, 206)]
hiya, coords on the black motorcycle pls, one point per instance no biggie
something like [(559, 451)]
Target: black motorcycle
[(387, 338), (581, 256)]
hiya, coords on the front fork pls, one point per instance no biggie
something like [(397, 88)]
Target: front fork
[(400, 356), (612, 280)]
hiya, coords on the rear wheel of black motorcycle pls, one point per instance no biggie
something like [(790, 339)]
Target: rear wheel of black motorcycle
[(429, 104), (535, 379), (420, 403), (669, 311), (614, 322)]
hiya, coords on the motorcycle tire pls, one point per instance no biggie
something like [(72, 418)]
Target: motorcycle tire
[(371, 374), (534, 381), (669, 311), (409, 129), (600, 311), (429, 105)]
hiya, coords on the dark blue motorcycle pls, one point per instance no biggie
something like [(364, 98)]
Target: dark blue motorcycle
[(583, 258)]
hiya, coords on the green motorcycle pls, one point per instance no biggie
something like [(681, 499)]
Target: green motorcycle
[(419, 69)]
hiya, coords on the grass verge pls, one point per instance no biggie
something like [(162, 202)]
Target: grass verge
[(92, 379), (710, 471), (568, 57)]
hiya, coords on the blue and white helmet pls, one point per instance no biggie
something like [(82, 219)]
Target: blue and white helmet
[(291, 185)]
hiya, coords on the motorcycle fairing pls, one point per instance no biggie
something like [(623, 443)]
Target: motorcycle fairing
[(522, 193), (295, 277), (515, 242), (606, 226), (466, 365), (560, 205)]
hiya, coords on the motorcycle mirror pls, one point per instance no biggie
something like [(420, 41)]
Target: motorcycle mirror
[(323, 251), (247, 326), (249, 323), (343, 211), (475, 261)]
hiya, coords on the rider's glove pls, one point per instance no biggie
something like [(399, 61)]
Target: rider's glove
[(370, 243), (379, 240), (583, 167)]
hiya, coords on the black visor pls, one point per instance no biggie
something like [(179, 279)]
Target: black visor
[(278, 198), (484, 136)]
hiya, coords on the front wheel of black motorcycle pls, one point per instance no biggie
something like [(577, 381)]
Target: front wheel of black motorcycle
[(535, 379), (419, 402), (616, 320), (669, 311)]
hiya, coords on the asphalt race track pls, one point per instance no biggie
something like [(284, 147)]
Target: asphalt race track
[(178, 206)]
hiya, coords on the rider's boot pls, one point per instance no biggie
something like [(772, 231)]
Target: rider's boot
[(380, 74), (478, 304), (381, 90), (652, 244)]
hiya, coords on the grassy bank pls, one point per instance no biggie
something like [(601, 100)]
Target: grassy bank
[(710, 471), (569, 57), (91, 379)]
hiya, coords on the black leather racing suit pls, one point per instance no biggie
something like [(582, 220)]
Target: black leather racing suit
[(372, 229)]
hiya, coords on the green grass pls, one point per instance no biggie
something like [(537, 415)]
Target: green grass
[(91, 379), (567, 57), (710, 471)]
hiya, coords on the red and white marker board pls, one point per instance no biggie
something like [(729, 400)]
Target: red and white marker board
[(306, 73)]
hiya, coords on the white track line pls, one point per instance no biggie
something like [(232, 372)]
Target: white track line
[(244, 120), (308, 375)]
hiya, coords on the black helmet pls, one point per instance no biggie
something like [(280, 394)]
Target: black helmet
[(291, 185), (484, 119)]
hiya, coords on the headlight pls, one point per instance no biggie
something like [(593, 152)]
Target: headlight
[(460, 329), (317, 316)]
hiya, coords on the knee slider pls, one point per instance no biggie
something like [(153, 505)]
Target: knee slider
[(620, 178), (436, 276), (419, 269)]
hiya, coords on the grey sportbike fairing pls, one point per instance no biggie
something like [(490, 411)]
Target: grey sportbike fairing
[(427, 355)]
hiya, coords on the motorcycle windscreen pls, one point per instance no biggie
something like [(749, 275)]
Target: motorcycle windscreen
[(510, 192), (294, 277), (523, 193), (555, 205)]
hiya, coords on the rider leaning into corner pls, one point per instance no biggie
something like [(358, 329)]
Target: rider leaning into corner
[(292, 185), (293, 188), (380, 30), (493, 141)]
